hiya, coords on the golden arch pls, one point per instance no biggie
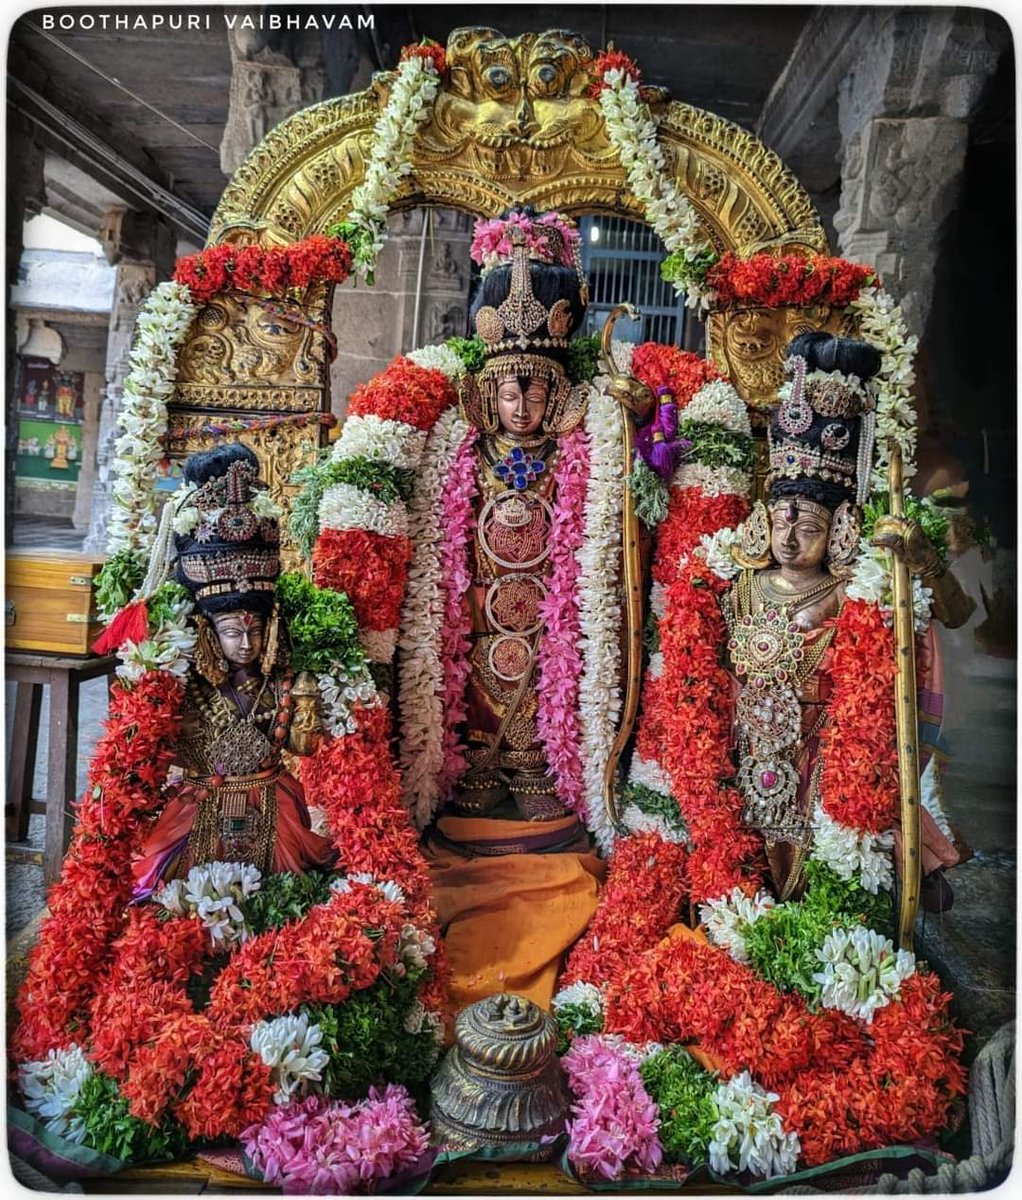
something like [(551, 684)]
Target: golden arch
[(540, 139), (514, 122)]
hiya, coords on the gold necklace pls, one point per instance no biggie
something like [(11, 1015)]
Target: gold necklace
[(792, 602)]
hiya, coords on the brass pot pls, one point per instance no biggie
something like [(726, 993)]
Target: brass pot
[(501, 1082)]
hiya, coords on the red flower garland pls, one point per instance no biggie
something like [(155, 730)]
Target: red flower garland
[(859, 780), (86, 904), (405, 392), (770, 281), (638, 903), (272, 270), (372, 568), (687, 729), (682, 371)]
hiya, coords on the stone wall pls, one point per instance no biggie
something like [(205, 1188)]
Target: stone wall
[(427, 247)]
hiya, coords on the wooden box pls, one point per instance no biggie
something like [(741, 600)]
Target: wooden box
[(50, 603)]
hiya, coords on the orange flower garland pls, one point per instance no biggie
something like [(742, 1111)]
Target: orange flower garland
[(86, 905), (258, 269), (859, 781), (771, 281)]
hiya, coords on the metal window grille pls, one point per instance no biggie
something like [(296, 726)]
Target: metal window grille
[(622, 261)]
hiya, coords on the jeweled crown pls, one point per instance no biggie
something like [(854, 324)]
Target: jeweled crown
[(530, 248)]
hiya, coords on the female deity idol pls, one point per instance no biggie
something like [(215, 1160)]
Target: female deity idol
[(797, 552), (235, 801)]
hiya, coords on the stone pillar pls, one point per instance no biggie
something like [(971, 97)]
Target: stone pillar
[(273, 75), (141, 247), (26, 195), (375, 323), (903, 112)]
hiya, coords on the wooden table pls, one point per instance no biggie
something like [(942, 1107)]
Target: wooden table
[(64, 675)]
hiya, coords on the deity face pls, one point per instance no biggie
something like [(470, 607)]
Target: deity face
[(798, 535), (521, 404), (241, 636)]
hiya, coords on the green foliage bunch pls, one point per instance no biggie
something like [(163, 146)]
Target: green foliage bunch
[(321, 624), (683, 1091)]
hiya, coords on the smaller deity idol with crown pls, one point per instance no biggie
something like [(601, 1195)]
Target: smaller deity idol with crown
[(235, 802), (798, 553)]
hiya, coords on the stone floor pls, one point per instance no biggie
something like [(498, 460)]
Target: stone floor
[(972, 946)]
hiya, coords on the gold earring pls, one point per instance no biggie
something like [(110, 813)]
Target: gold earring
[(478, 407), (565, 407), (209, 655), (271, 642), (752, 549), (843, 541)]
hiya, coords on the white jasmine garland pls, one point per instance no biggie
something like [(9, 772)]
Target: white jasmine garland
[(882, 325), (345, 506), (50, 1087), (170, 648), (290, 1047), (633, 133), (340, 692), (871, 581), (658, 600), (716, 549), (408, 106), (852, 854), (749, 1134), (599, 604), (586, 996), (656, 664), (717, 403), (420, 670), (379, 438), (390, 890), (726, 920), (214, 891), (861, 971), (160, 328), (712, 481), (439, 358)]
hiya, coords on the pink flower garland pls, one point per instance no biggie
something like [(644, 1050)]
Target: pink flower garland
[(455, 641), (324, 1147), (559, 660), (614, 1122)]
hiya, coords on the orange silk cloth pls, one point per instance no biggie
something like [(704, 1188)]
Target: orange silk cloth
[(507, 920)]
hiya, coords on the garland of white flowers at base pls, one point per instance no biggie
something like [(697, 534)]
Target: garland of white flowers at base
[(632, 130), (409, 106), (420, 671), (160, 329), (599, 603)]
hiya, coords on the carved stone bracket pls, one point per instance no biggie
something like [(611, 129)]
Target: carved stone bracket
[(903, 109)]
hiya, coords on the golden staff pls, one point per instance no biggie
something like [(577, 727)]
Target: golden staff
[(906, 716), (636, 400)]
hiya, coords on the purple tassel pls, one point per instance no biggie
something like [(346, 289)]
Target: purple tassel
[(668, 420), (662, 458)]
